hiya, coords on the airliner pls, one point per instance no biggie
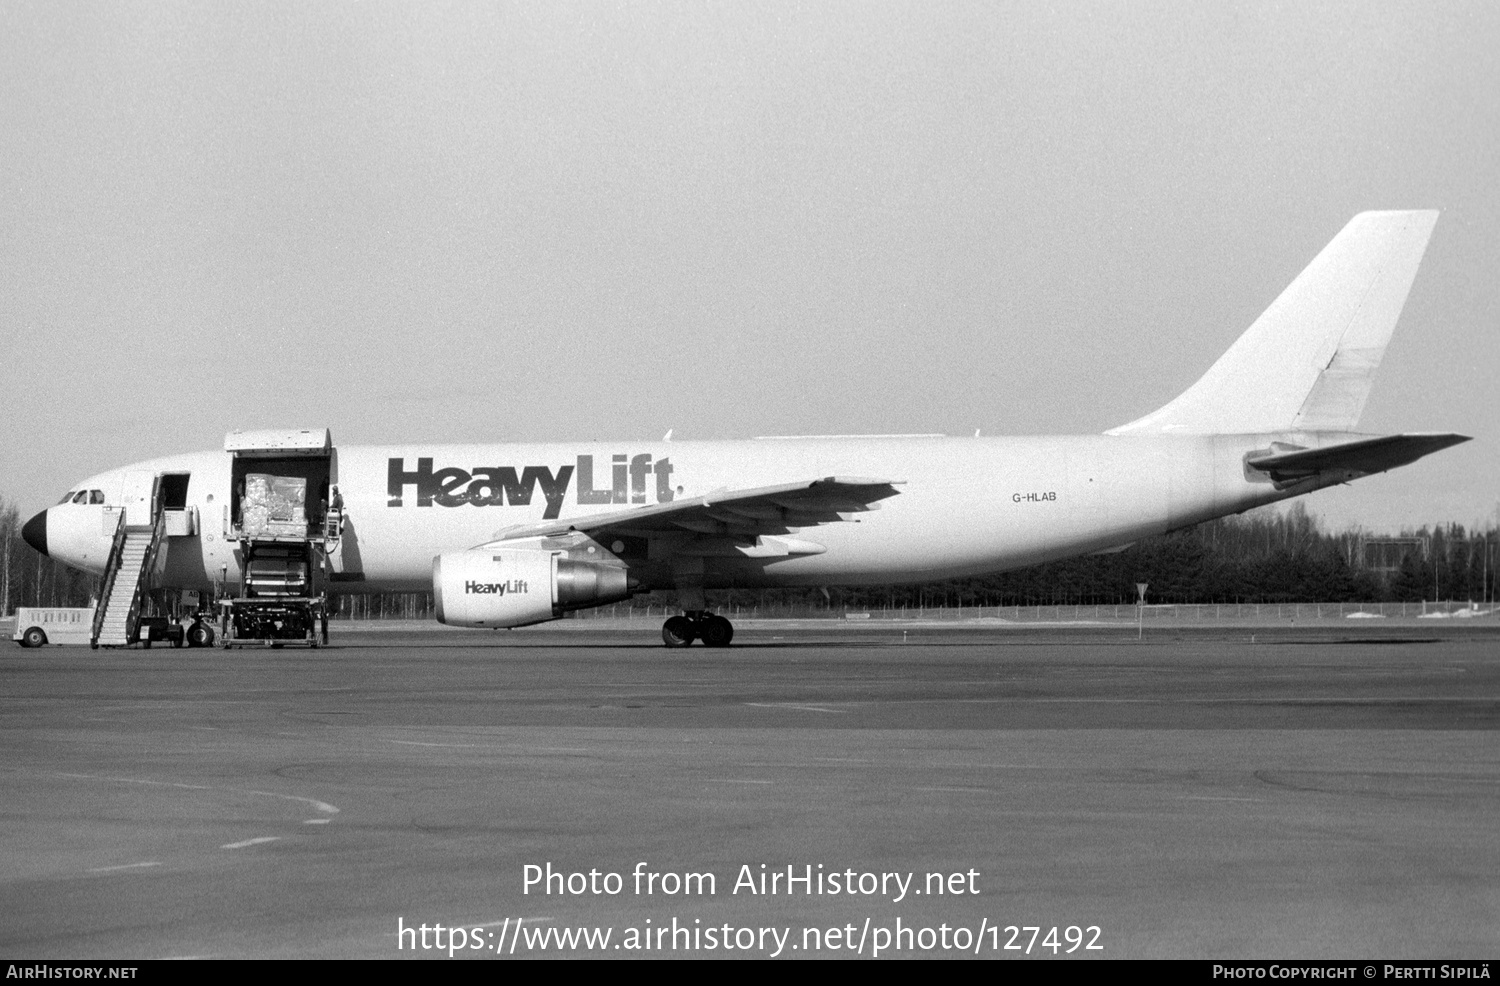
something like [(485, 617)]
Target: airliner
[(507, 535)]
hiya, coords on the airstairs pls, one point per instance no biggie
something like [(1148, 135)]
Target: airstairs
[(132, 558)]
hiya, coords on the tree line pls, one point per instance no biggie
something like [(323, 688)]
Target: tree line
[(1259, 557)]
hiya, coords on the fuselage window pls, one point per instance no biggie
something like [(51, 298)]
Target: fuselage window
[(66, 497), (96, 496), (82, 497)]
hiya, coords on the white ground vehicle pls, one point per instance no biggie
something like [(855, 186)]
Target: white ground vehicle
[(39, 625)]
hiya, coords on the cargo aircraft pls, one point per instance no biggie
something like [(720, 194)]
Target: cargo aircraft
[(507, 535)]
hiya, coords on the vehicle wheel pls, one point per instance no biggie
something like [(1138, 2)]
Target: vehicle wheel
[(716, 632), (200, 635), (678, 631), (33, 637)]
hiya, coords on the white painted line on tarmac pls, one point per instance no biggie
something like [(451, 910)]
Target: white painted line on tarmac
[(449, 746), (125, 866), (132, 780), (793, 705), (251, 842), (733, 780), (958, 790), (317, 821), (494, 746), (321, 806)]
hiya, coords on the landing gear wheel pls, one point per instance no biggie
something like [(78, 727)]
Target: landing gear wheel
[(716, 631), (678, 631), (200, 635)]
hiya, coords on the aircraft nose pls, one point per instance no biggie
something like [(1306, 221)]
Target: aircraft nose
[(34, 532)]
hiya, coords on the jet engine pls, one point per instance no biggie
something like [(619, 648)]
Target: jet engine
[(513, 587)]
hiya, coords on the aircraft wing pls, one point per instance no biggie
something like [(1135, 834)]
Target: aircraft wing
[(1370, 455), (732, 513)]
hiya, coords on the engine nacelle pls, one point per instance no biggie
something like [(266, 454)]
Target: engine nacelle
[(513, 587)]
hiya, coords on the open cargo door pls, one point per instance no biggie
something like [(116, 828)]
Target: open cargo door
[(280, 482)]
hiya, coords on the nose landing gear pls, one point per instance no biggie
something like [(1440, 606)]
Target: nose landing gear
[(680, 631)]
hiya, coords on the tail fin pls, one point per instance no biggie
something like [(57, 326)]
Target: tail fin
[(1309, 360)]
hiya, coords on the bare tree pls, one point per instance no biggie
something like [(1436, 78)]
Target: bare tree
[(9, 520)]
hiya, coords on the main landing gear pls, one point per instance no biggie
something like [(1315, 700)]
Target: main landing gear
[(680, 631)]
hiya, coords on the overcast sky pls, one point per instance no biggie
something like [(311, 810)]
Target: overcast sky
[(486, 222)]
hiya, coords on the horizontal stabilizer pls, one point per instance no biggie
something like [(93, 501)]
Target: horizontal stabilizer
[(1364, 457)]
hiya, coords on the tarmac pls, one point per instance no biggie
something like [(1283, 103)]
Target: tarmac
[(819, 789)]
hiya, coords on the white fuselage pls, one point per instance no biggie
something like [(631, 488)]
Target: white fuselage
[(1290, 389), (965, 505)]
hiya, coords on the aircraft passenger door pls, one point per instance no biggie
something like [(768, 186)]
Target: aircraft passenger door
[(139, 499), (181, 518)]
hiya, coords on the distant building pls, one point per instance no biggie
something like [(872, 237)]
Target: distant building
[(1383, 557)]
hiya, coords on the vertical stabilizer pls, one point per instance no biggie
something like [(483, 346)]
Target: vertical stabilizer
[(1309, 360)]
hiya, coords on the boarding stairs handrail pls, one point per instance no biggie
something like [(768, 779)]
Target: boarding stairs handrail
[(156, 534), (107, 583)]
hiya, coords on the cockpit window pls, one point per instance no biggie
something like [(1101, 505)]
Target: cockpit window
[(96, 496), (66, 497), (82, 497)]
